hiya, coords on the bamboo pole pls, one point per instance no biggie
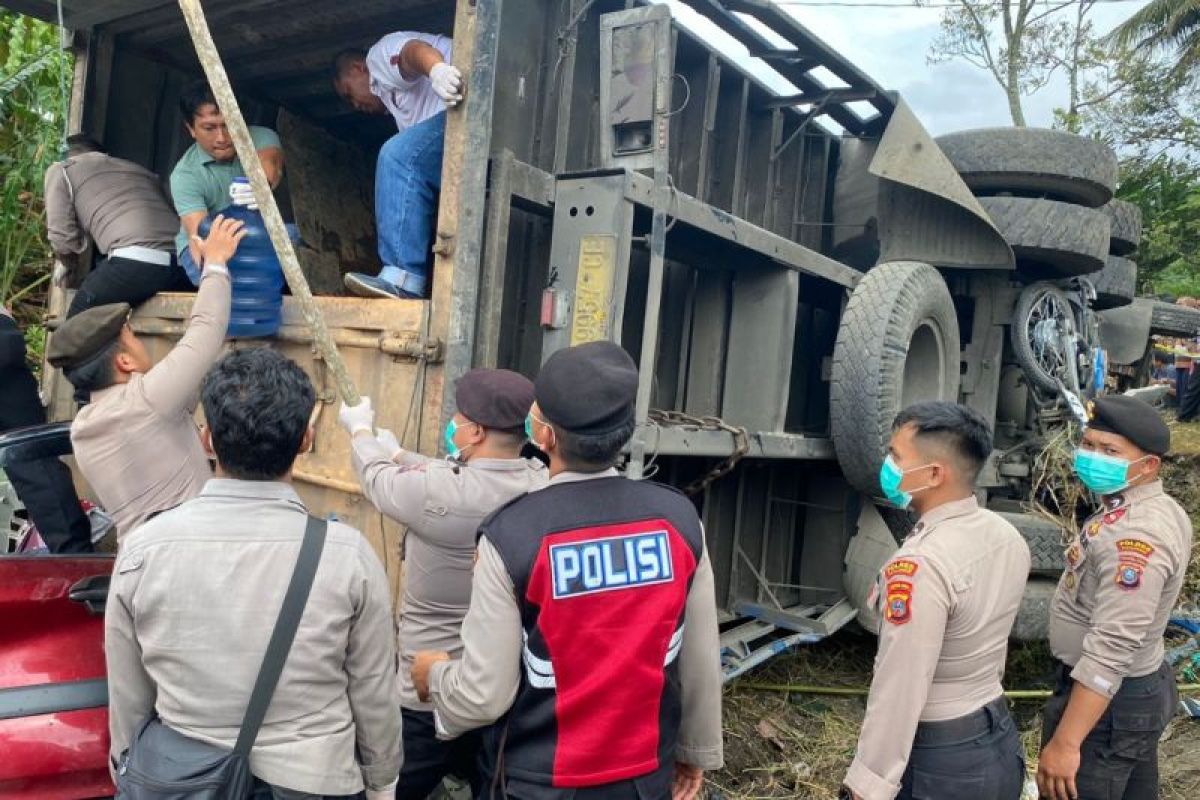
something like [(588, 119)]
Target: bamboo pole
[(862, 691), (218, 80)]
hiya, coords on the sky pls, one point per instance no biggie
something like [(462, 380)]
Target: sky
[(891, 46)]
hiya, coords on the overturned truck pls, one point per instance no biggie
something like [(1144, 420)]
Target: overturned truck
[(787, 253)]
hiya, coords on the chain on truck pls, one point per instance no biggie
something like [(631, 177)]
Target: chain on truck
[(789, 266)]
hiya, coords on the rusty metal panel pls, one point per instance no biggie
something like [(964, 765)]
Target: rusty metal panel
[(372, 336)]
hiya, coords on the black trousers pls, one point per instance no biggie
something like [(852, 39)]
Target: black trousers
[(654, 786), (122, 280), (1189, 398), (44, 486), (976, 757), (265, 791), (428, 759), (1119, 758), (46, 489)]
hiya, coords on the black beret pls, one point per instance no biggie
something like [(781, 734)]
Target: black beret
[(494, 398), (86, 334), (1132, 418), (588, 389)]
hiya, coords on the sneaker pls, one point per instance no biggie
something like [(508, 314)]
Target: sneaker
[(372, 286)]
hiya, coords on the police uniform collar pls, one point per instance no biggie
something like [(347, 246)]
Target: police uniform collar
[(500, 464), (252, 490), (576, 477), (935, 516), (1123, 498)]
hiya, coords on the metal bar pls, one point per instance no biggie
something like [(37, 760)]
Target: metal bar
[(848, 95), (687, 210), (739, 168), (748, 36), (454, 299), (533, 185), (495, 260), (711, 94), (660, 199), (719, 444)]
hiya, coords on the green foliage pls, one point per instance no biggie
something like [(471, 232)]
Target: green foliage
[(1164, 26), (1167, 189), (32, 68)]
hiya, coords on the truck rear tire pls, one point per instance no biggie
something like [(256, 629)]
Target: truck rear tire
[(1045, 542), (1033, 617), (1126, 223), (897, 345), (1051, 239), (1034, 161), (1169, 319), (1116, 284)]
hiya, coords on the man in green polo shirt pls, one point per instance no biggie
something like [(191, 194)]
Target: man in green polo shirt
[(201, 181)]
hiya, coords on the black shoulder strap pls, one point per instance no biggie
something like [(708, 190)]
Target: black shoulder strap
[(284, 633)]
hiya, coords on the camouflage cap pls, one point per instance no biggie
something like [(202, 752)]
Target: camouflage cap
[(87, 333)]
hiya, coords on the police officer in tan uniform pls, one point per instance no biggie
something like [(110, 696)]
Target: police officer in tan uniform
[(591, 641), (1124, 571), (937, 725), (442, 503), (136, 441)]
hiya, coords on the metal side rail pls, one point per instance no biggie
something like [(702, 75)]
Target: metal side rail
[(764, 632)]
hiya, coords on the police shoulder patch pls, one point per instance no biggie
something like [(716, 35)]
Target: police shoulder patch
[(1129, 575), (898, 607), (1113, 517), (901, 566), (1135, 547)]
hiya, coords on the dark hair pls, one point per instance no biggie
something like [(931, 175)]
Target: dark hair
[(1165, 358), (960, 429), (592, 453), (97, 372), (346, 59), (257, 404), (195, 96), (82, 143)]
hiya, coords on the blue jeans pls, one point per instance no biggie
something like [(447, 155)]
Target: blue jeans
[(408, 175)]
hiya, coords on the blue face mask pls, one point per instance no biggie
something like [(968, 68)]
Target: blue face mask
[(452, 449), (1102, 474), (890, 478), (529, 427)]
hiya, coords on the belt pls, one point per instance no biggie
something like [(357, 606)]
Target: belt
[(147, 255), (961, 729), (1062, 673)]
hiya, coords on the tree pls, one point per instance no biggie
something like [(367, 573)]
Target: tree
[(1163, 26), (1168, 192), (33, 68), (1020, 43)]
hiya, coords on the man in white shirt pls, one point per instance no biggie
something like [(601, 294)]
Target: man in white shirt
[(408, 75)]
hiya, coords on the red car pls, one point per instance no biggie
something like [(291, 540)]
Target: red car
[(53, 691)]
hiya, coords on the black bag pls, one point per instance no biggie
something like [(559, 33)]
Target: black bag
[(163, 764)]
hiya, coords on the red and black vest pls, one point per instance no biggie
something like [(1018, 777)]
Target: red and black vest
[(601, 570)]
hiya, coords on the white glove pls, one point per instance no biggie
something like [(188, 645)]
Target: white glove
[(242, 195), (447, 82), (388, 441), (358, 418)]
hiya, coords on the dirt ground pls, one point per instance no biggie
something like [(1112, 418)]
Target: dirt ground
[(798, 744)]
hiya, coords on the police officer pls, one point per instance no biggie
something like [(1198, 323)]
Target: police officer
[(1124, 571), (937, 725), (136, 441), (592, 631), (442, 504)]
